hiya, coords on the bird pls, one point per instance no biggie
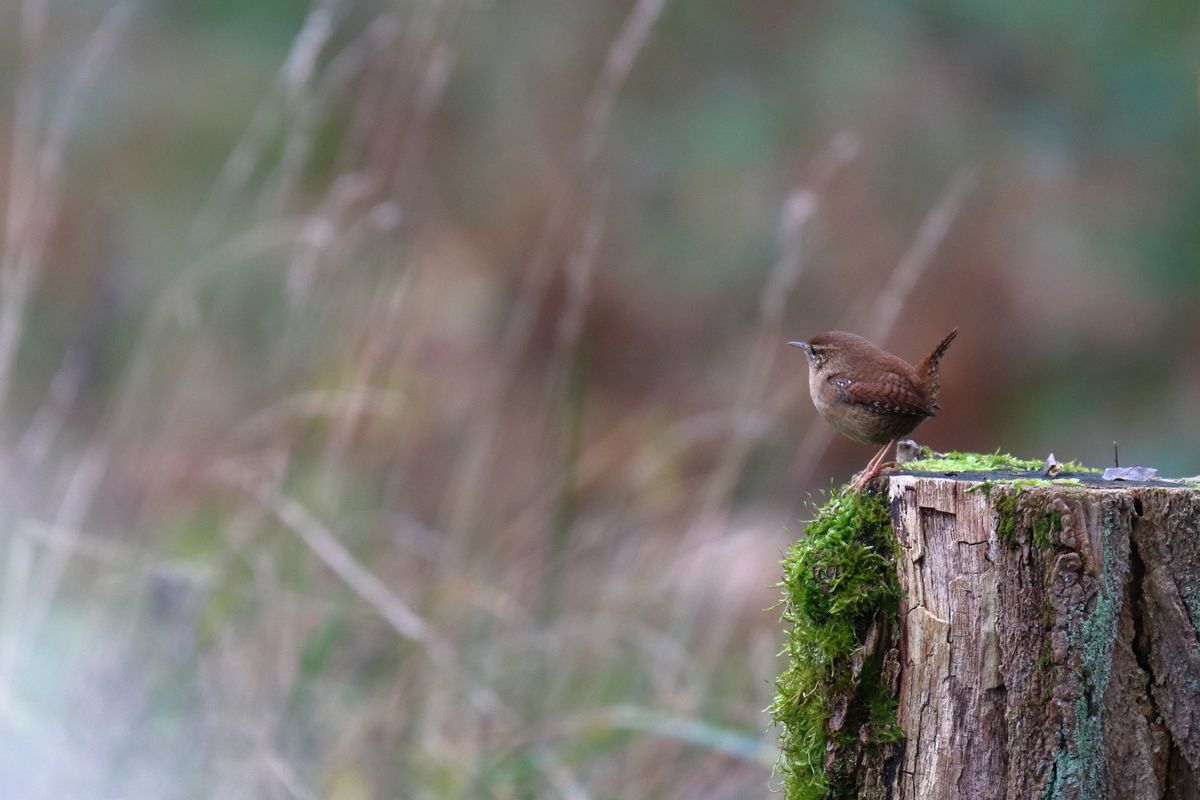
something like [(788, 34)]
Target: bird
[(868, 394)]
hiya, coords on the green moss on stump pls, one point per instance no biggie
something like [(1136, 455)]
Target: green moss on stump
[(1006, 518), (1046, 527), (838, 579), (955, 462)]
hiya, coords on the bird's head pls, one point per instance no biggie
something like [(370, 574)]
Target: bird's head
[(819, 350)]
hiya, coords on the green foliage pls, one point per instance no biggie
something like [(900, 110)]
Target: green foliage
[(956, 461), (838, 578)]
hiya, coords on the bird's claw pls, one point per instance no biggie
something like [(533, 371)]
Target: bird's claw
[(861, 480)]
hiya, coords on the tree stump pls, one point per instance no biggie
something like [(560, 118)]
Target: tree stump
[(1048, 640), (1046, 644)]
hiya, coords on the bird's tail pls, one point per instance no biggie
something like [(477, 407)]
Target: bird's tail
[(928, 367)]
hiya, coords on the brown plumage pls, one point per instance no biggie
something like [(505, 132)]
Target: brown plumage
[(870, 395)]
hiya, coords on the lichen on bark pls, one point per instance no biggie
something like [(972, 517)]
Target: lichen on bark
[(1079, 764)]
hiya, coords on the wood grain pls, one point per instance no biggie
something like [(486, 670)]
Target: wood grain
[(1062, 662)]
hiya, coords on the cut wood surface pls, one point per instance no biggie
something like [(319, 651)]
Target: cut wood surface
[(1048, 640)]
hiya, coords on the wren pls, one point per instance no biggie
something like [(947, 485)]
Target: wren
[(870, 395)]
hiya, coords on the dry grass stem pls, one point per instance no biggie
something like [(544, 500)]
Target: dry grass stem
[(466, 492), (177, 303), (295, 73), (36, 176), (75, 506), (618, 63), (333, 554), (885, 312)]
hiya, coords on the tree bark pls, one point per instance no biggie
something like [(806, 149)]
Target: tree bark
[(1048, 640)]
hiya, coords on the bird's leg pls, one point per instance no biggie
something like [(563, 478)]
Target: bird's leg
[(875, 463), (872, 470), (881, 464)]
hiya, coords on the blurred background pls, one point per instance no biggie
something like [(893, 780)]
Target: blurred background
[(393, 396)]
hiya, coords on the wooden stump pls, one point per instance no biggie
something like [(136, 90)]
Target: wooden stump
[(1048, 640)]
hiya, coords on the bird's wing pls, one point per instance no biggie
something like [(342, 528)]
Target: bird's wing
[(886, 393)]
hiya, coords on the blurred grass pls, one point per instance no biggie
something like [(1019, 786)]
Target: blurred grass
[(393, 417)]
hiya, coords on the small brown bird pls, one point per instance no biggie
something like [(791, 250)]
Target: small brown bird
[(870, 395)]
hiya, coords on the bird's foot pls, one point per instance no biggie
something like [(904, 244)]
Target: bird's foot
[(873, 469), (863, 479)]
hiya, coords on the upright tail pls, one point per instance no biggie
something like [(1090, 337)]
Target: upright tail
[(928, 366)]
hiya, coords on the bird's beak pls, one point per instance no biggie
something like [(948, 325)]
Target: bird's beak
[(801, 345)]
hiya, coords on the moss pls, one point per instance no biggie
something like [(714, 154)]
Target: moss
[(984, 487), (1045, 527), (955, 462), (838, 578), (1045, 660), (1006, 518), (1033, 483), (1011, 506)]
